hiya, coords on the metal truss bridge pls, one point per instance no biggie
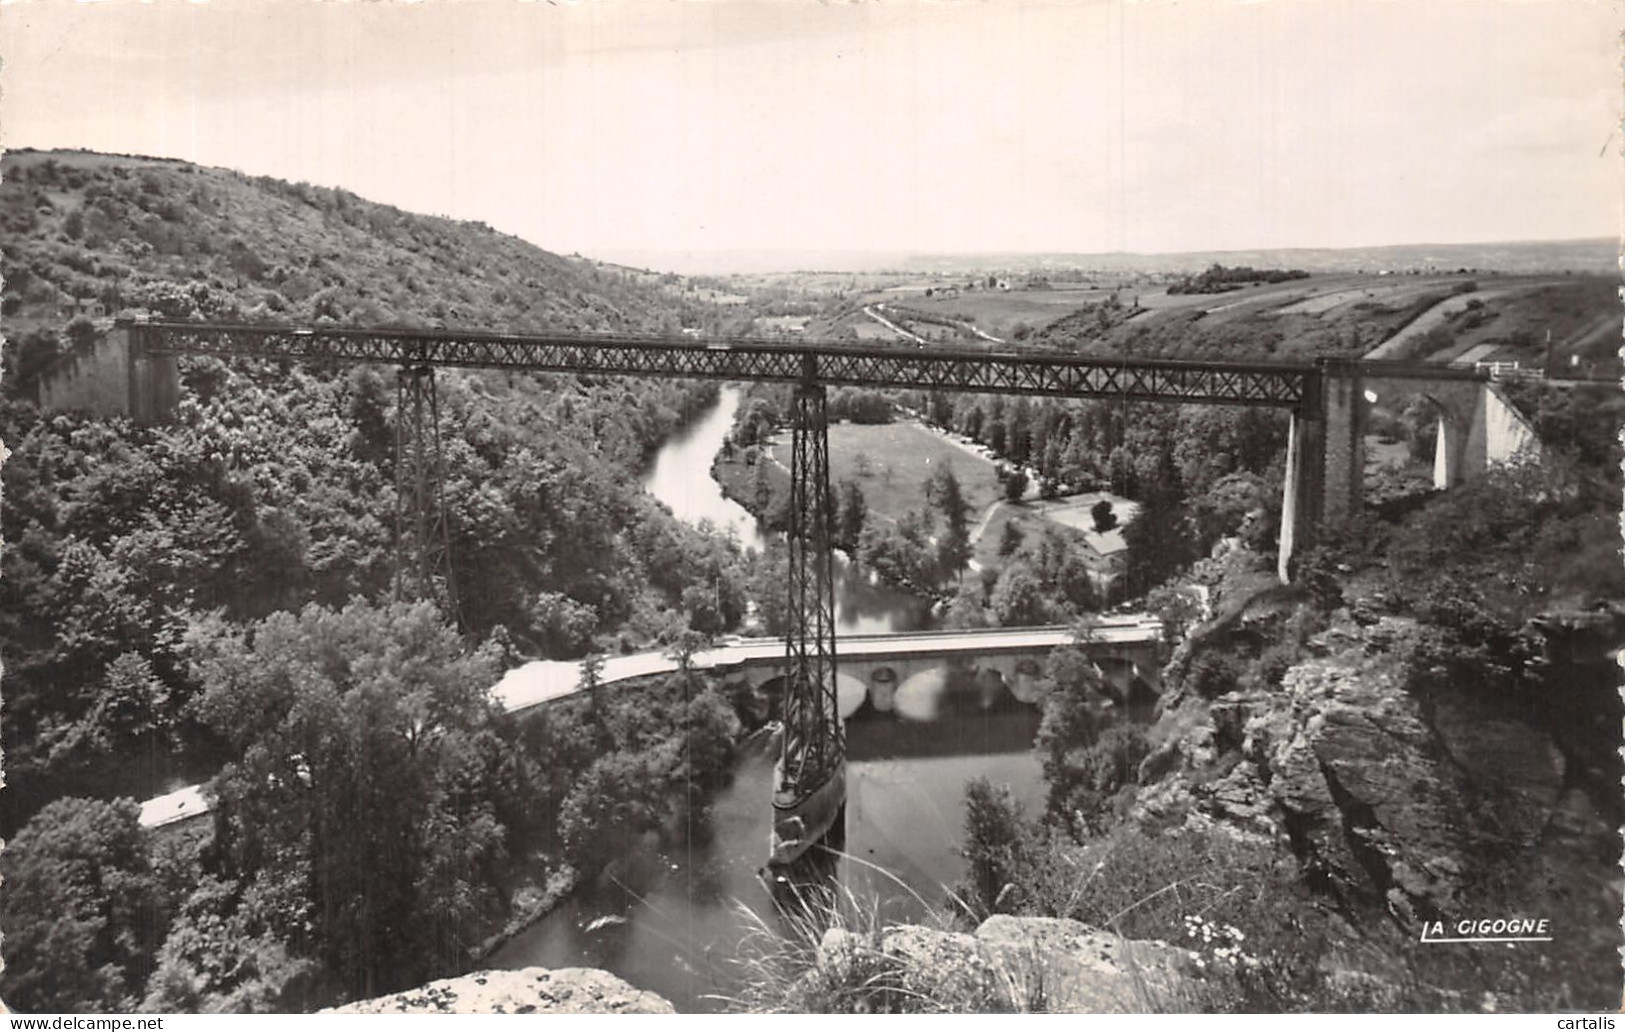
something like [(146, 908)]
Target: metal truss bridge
[(809, 789), (828, 364)]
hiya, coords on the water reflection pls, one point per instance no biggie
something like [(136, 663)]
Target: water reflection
[(680, 475), (672, 919)]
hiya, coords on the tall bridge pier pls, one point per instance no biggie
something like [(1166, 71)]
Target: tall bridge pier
[(1478, 427), (1325, 463), (809, 781), (423, 567)]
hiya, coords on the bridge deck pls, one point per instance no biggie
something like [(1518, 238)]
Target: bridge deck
[(831, 363), (544, 681)]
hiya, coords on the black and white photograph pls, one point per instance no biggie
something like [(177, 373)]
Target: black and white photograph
[(910, 507)]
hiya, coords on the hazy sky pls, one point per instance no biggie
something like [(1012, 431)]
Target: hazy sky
[(948, 126)]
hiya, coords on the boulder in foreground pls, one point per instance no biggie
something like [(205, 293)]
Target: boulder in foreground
[(530, 990)]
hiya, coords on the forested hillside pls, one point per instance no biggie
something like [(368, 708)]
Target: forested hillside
[(142, 234), (166, 588)]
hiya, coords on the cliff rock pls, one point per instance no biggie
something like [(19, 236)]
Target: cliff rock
[(1019, 964), (1381, 794), (531, 990)]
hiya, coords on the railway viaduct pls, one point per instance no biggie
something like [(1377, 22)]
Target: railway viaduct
[(133, 372)]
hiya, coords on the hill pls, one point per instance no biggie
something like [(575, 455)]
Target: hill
[(1563, 323), (106, 234), (273, 489), (1522, 256)]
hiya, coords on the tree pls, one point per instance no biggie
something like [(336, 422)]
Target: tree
[(221, 957), (82, 331), (702, 603), (564, 625), (853, 516), (1104, 518), (1017, 599), (761, 486), (1063, 573), (967, 610), (954, 547), (1018, 438), (769, 580), (590, 682), (1015, 485), (82, 909), (682, 649), (1000, 849), (1158, 540), (1073, 690), (1010, 539), (363, 804)]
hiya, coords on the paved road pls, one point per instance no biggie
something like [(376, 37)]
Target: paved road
[(546, 680), (882, 320)]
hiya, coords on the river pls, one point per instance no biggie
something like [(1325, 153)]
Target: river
[(673, 919), (680, 477)]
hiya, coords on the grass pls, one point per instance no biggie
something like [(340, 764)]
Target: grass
[(835, 953), (1070, 516), (832, 952), (826, 955), (998, 312), (899, 458)]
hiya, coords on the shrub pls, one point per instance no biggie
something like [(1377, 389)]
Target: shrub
[(1000, 850)]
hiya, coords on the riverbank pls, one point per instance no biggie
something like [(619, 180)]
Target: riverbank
[(891, 465), (533, 899), (625, 765)]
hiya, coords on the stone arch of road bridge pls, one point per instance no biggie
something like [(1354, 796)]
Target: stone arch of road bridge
[(1132, 673)]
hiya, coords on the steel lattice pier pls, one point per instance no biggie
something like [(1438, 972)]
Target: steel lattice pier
[(423, 567)]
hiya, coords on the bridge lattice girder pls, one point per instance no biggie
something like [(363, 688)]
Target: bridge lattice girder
[(1274, 384)]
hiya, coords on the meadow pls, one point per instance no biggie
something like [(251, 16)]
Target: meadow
[(892, 462)]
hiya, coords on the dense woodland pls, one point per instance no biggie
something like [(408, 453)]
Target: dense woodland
[(214, 595)]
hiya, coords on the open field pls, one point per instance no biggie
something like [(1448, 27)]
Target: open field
[(999, 312), (1398, 345), (1071, 515), (899, 458), (1385, 290), (1074, 512)]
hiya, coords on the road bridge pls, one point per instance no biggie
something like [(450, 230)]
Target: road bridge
[(1324, 468), (1123, 647)]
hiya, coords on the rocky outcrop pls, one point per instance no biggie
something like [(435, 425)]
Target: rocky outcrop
[(526, 991), (1379, 793), (1017, 964)]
